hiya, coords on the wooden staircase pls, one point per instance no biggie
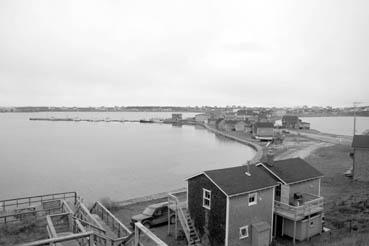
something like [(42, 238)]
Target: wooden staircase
[(188, 227)]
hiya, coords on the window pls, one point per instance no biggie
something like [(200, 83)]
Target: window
[(206, 198), (244, 232), (253, 199)]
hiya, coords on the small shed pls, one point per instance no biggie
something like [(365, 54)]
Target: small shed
[(360, 145), (260, 234)]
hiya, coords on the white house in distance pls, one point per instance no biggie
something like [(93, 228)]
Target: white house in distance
[(202, 118)]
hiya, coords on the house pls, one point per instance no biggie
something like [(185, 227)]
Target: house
[(251, 204), (176, 117), (263, 130), (247, 114), (230, 116), (233, 206), (216, 114), (304, 125), (234, 125), (240, 126), (202, 118), (290, 121), (298, 210), (279, 112), (360, 145)]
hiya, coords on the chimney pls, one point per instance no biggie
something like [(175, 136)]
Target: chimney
[(270, 158), (247, 168)]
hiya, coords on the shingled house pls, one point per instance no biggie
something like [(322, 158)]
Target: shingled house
[(233, 206), (263, 130), (360, 145), (248, 205), (290, 121), (298, 203)]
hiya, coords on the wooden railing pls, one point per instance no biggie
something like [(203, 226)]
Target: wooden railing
[(84, 214), (303, 210), (183, 220), (143, 236), (87, 236), (110, 220), (178, 202), (35, 200), (17, 216)]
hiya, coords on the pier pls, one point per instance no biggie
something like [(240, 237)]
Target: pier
[(93, 120)]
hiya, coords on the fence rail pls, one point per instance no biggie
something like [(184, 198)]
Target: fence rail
[(302, 210), (51, 241), (35, 200), (110, 220)]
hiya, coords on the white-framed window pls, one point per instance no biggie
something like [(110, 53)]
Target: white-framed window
[(244, 232), (206, 198), (253, 199)]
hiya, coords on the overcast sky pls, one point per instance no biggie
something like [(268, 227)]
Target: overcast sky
[(191, 52)]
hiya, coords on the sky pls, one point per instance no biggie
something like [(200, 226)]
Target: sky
[(190, 52)]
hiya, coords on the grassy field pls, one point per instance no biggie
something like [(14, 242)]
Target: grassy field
[(347, 201), (27, 231)]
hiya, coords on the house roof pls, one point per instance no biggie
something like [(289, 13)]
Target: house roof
[(234, 122), (290, 118), (264, 125), (292, 170), (233, 181), (360, 141)]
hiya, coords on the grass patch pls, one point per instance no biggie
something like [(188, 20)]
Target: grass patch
[(22, 232)]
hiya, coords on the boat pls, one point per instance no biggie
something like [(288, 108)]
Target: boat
[(146, 121)]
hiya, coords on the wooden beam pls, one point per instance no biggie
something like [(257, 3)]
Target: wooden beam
[(294, 232), (59, 239)]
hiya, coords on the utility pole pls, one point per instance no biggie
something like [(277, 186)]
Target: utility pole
[(355, 104)]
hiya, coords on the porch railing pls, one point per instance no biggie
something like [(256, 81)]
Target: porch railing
[(302, 210)]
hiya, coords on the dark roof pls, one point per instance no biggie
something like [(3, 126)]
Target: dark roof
[(264, 125), (293, 170), (290, 118), (245, 112), (233, 121), (360, 141), (234, 181)]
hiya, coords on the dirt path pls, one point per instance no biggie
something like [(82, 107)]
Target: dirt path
[(303, 150), (329, 138)]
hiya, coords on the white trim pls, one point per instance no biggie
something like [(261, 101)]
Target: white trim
[(187, 195), (319, 187), (247, 230), (300, 181), (296, 182), (227, 223), (215, 184), (195, 175), (272, 172), (255, 195), (253, 191), (272, 223), (233, 195), (204, 198)]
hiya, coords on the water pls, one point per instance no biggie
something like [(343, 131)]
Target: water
[(338, 125), (116, 160)]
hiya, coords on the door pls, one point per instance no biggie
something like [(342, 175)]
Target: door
[(160, 215)]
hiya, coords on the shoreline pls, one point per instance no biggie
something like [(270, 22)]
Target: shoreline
[(308, 143), (259, 151)]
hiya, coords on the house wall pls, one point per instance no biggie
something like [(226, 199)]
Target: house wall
[(304, 228), (240, 127), (216, 214), (310, 186), (361, 164), (265, 132), (241, 214)]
